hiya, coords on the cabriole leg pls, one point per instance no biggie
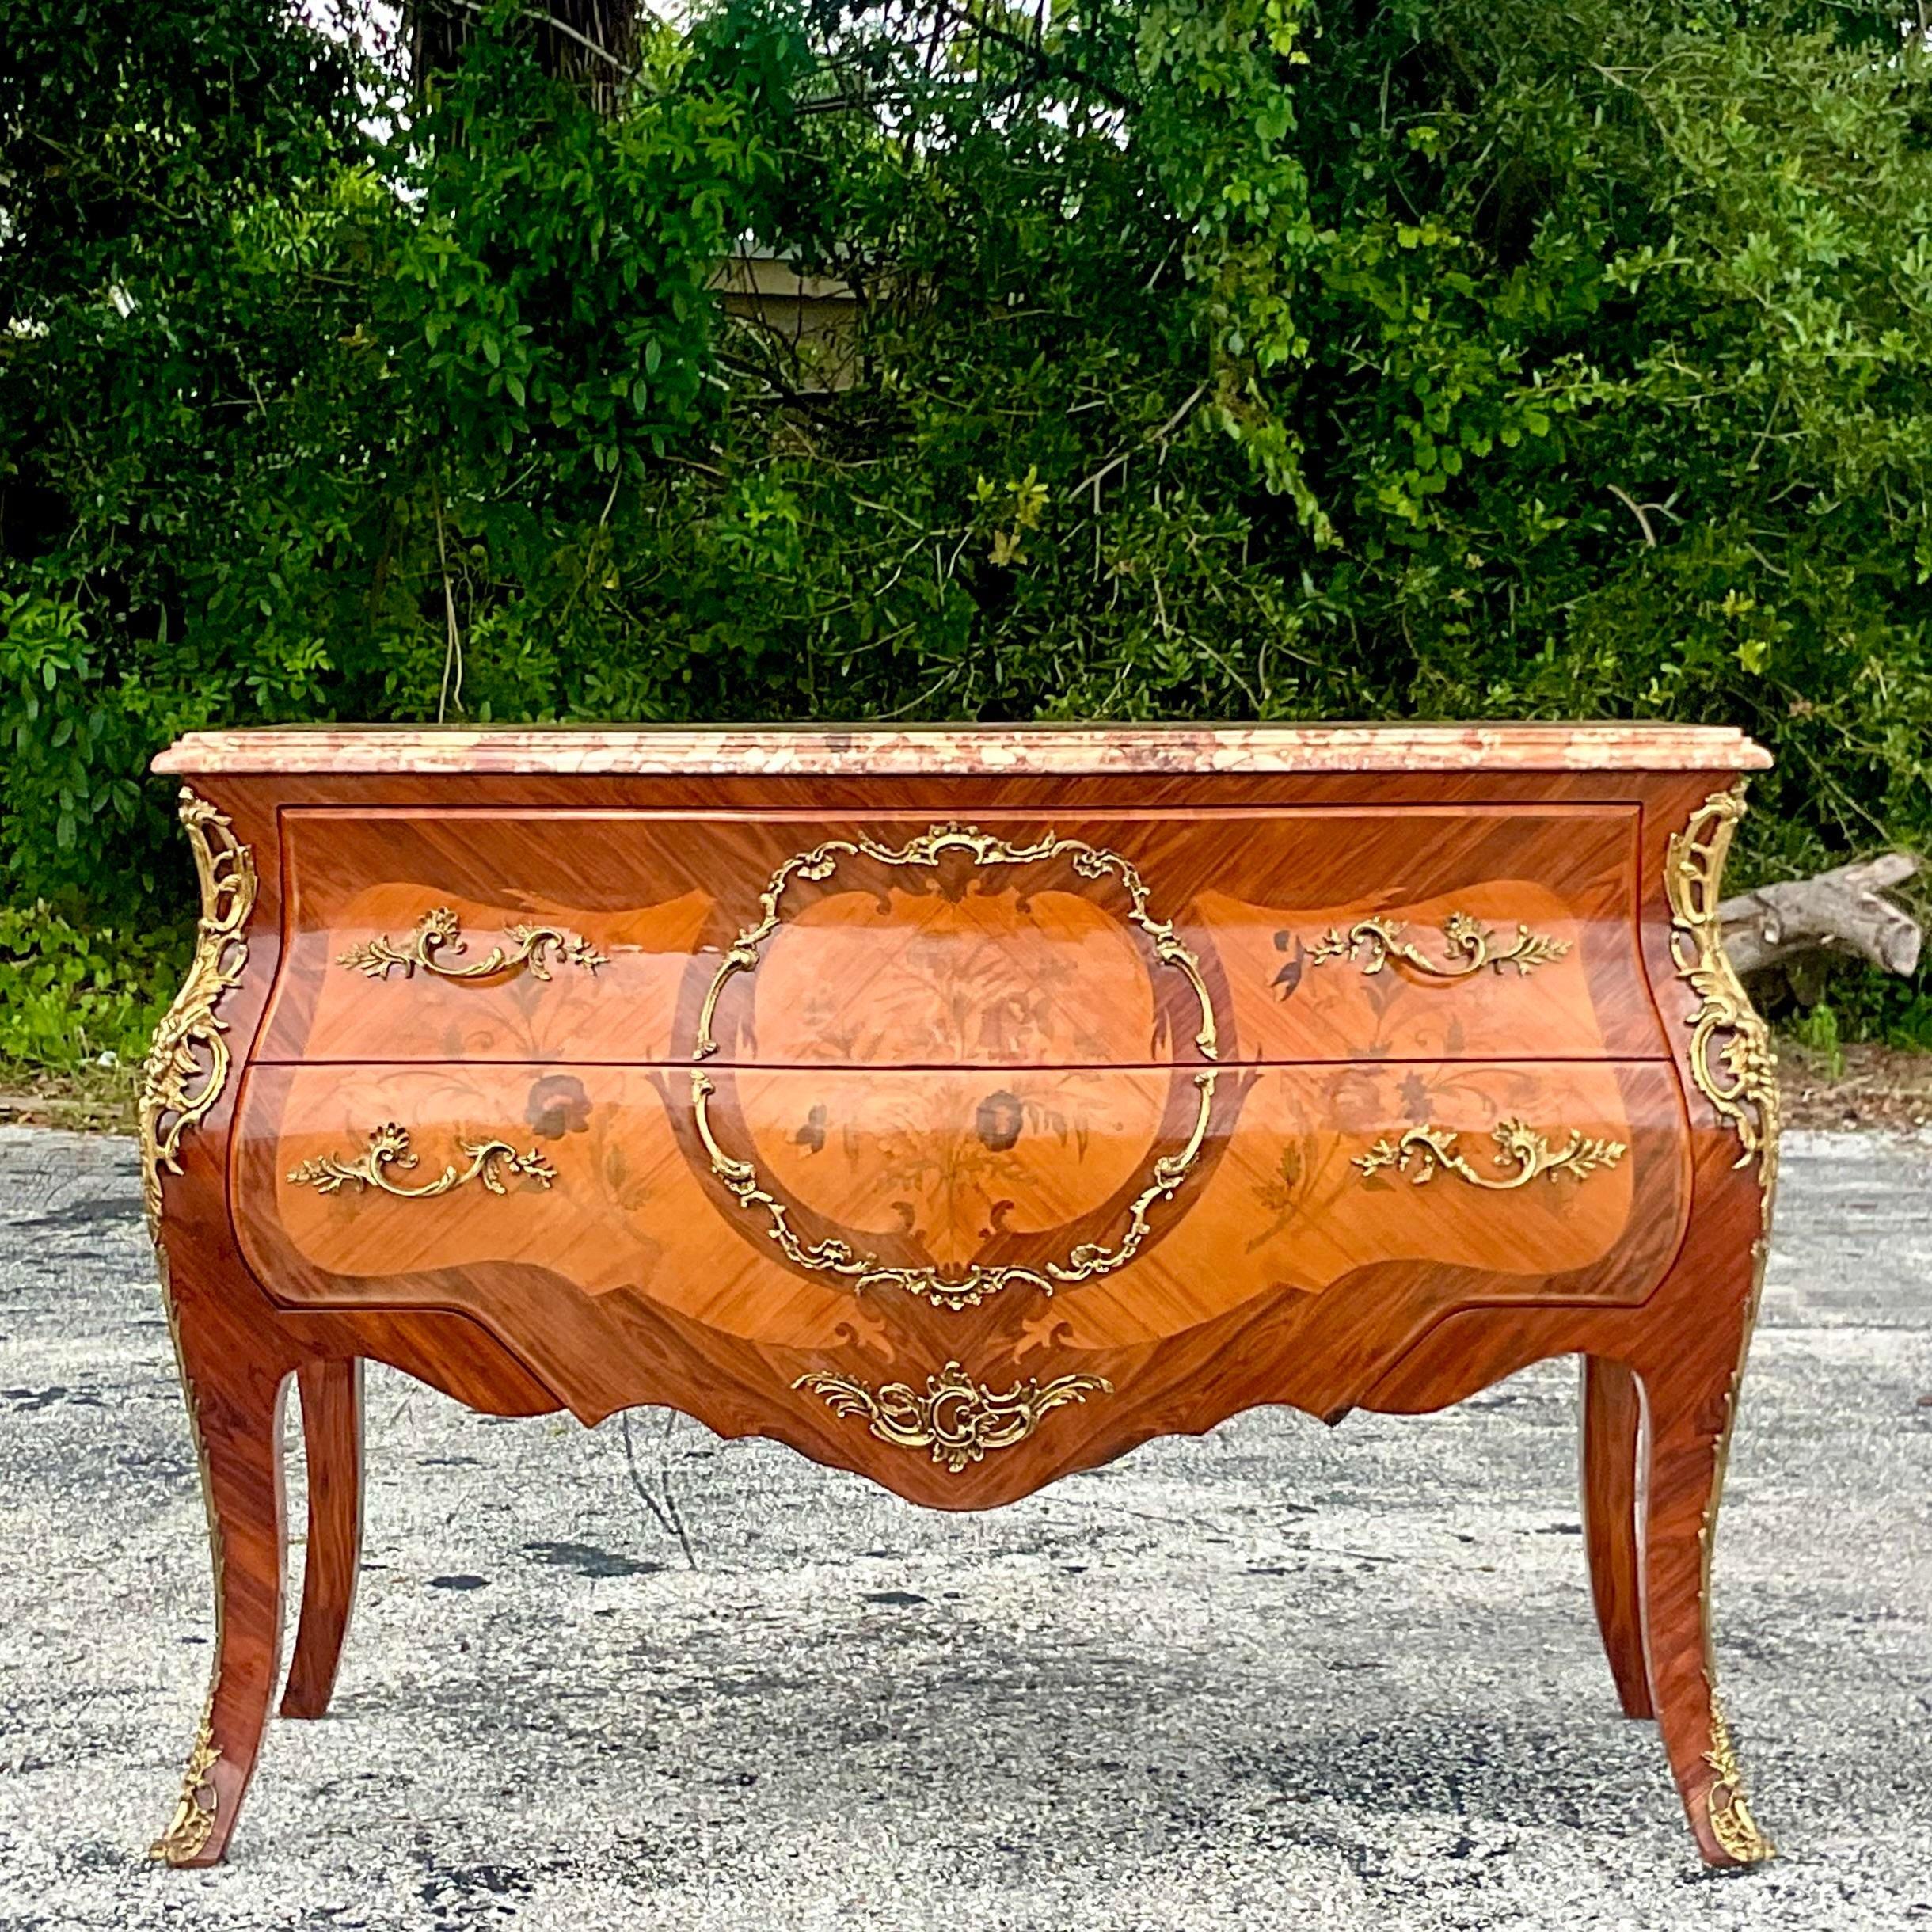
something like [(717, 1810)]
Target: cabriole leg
[(331, 1431), (1689, 1404), (1612, 1419), (234, 1404)]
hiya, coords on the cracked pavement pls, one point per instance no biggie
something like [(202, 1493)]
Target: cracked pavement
[(1279, 1672)]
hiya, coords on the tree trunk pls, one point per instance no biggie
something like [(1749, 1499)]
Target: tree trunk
[(591, 42)]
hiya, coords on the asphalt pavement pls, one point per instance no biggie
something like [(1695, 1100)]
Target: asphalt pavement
[(1282, 1676)]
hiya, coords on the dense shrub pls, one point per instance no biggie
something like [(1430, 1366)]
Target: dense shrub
[(71, 997), (1248, 357)]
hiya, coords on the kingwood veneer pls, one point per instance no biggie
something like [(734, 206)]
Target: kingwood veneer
[(962, 1108)]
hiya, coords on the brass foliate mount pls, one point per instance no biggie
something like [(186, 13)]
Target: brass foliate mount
[(437, 938), (1470, 947), (193, 1823), (958, 1419), (488, 1162), (1731, 1058), (971, 1287), (187, 1063), (1729, 1810), (1423, 1152)]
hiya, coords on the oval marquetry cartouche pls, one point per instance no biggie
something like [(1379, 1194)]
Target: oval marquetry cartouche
[(963, 1109)]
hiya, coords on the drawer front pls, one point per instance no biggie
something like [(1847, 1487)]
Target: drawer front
[(903, 940), (903, 1212)]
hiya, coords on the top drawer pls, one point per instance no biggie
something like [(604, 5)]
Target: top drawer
[(899, 939)]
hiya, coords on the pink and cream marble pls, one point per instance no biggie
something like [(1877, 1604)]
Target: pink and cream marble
[(992, 749)]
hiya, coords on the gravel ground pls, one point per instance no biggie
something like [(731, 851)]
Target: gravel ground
[(1281, 1672)]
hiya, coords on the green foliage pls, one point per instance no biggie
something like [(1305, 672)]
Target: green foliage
[(294, 422), (1818, 1028), (1853, 1003), (1286, 358), (72, 996)]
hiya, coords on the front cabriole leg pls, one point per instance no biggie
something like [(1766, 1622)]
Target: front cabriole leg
[(234, 1398), (232, 1373), (1691, 1367), (1691, 1400)]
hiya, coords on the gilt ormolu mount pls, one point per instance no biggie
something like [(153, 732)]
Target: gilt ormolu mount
[(963, 1108)]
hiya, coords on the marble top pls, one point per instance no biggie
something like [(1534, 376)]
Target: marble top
[(997, 750)]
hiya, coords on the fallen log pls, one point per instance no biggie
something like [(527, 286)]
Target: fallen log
[(1842, 910)]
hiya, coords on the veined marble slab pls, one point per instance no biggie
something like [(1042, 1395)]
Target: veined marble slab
[(997, 750)]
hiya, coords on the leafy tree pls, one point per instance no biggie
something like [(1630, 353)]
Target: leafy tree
[(1285, 358)]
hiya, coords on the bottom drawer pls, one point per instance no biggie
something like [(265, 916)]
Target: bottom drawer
[(802, 1209)]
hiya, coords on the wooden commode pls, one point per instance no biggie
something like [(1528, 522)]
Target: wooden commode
[(963, 1107)]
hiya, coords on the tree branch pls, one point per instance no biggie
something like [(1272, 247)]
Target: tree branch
[(570, 33), (1843, 911)]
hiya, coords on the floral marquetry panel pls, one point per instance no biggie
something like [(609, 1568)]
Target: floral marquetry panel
[(1012, 939), (1002, 976), (895, 1207)]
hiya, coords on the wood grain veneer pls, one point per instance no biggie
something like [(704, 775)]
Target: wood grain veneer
[(963, 1108), (1035, 969)]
